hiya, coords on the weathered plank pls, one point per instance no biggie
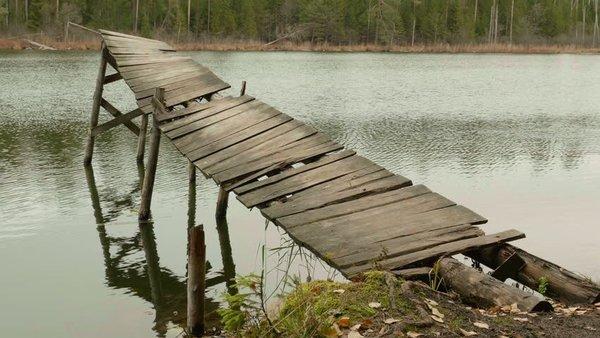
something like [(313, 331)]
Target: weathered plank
[(315, 201), (305, 179), (294, 142), (256, 141), (290, 158), (205, 118), (213, 146), (353, 206), (440, 250)]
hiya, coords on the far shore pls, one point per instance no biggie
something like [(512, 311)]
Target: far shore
[(244, 45)]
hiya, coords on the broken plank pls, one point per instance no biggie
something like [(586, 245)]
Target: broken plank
[(447, 249)]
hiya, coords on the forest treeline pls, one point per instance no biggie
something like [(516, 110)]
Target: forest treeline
[(404, 22)]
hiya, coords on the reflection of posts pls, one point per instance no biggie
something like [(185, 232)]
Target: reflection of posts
[(152, 263), (226, 254), (196, 283), (91, 182), (158, 101)]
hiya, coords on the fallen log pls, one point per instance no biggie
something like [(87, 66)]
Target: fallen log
[(562, 285), (483, 290)]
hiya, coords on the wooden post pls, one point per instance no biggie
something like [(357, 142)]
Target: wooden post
[(152, 159), (191, 195), (196, 280), (222, 201), (563, 284), (243, 90), (142, 139), (89, 149), (481, 289)]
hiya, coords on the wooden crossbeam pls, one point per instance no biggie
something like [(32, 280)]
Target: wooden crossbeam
[(117, 121), (112, 78), (117, 113)]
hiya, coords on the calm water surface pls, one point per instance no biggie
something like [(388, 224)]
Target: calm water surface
[(514, 137)]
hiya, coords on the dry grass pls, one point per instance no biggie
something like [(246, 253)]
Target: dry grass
[(249, 45)]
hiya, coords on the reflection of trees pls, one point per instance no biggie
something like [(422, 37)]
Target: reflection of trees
[(475, 145), (147, 279)]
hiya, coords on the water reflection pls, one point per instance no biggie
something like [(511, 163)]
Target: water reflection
[(147, 279)]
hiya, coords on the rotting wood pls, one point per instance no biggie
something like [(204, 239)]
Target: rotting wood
[(413, 273), (564, 285), (196, 282), (509, 268), (482, 290)]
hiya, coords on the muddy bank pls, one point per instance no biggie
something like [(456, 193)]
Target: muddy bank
[(244, 45)]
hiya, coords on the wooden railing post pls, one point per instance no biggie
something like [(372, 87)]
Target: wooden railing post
[(89, 148), (196, 283), (158, 102)]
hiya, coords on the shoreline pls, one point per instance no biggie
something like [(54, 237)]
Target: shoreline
[(500, 48)]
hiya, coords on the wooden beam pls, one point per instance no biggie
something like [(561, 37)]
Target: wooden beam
[(120, 119), (117, 113), (89, 149), (112, 78)]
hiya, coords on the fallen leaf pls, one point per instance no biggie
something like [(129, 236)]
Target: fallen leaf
[(521, 319), (344, 322), (331, 332), (437, 312), (437, 319), (481, 325), (468, 333), (506, 308), (339, 291), (383, 330), (412, 334), (375, 305), (580, 312), (514, 307), (367, 323), (590, 328), (391, 321), (355, 327), (354, 334), (431, 302)]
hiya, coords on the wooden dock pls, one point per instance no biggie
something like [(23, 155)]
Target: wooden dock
[(349, 211)]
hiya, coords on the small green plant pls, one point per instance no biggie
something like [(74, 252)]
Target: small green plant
[(543, 285), (243, 308), (435, 280)]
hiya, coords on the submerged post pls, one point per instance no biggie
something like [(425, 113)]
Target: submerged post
[(158, 102), (89, 148), (196, 280)]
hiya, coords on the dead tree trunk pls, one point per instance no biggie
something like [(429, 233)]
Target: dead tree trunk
[(563, 285), (480, 289)]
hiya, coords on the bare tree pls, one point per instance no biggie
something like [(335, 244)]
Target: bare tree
[(136, 15), (512, 10)]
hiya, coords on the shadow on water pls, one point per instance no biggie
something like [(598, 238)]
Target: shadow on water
[(148, 280)]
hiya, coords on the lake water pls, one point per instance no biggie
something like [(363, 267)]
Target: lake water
[(514, 137)]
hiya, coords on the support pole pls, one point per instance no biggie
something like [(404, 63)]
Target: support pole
[(89, 149), (196, 280), (191, 195), (152, 158), (142, 139), (222, 201)]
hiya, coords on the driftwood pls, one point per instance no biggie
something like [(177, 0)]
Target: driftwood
[(481, 289), (38, 45), (563, 285), (196, 280)]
